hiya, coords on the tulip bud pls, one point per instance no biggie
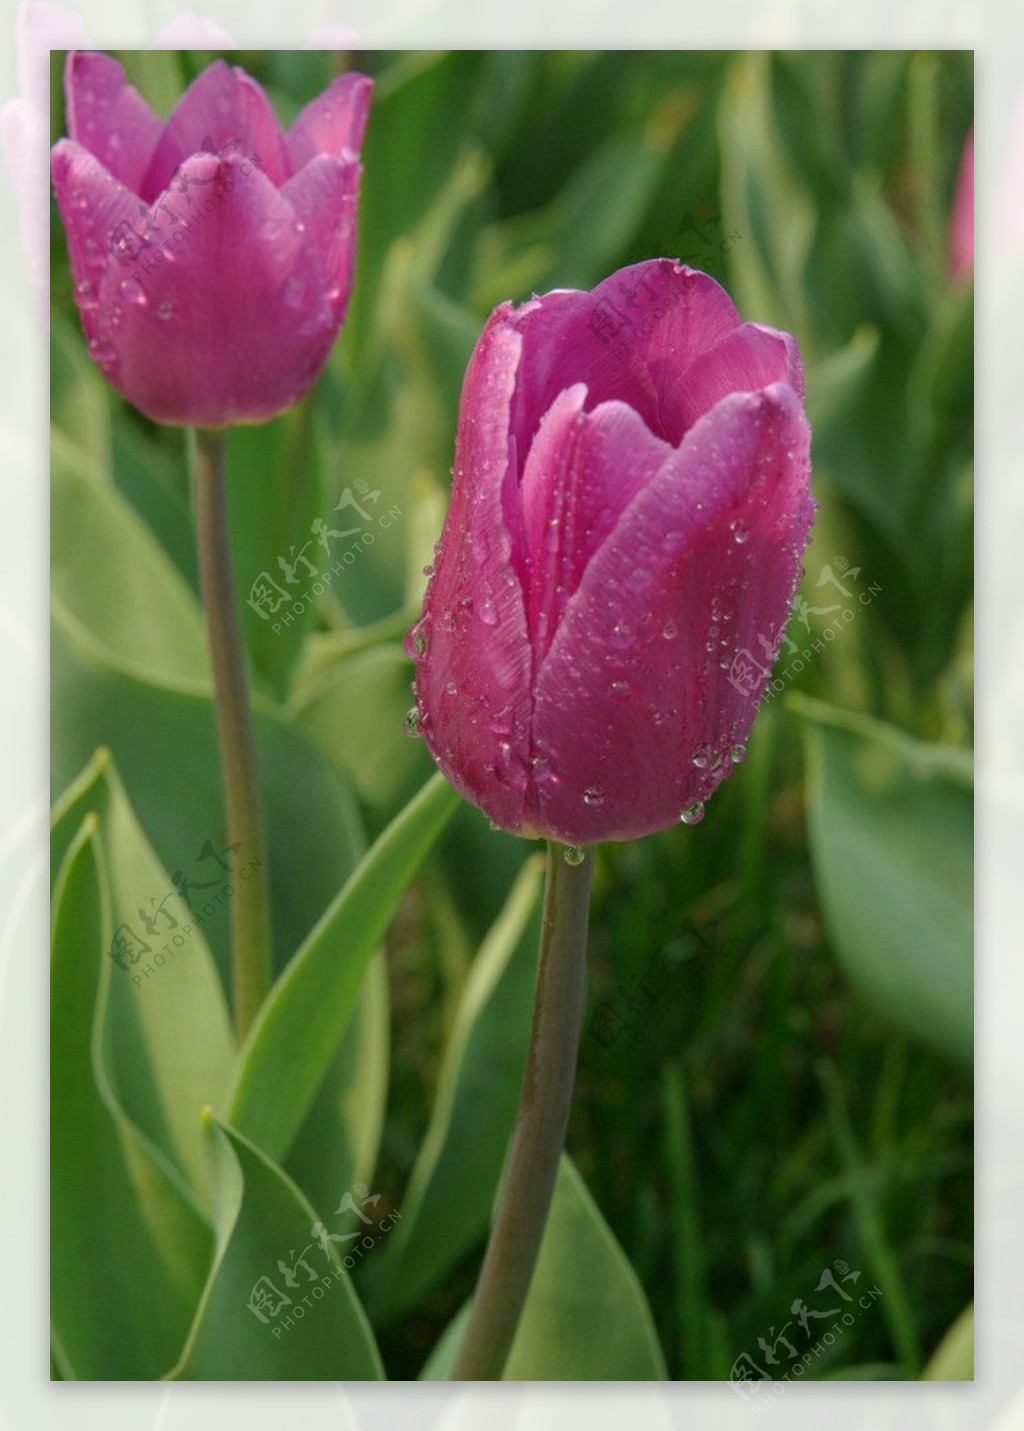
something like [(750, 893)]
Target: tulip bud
[(628, 515), (961, 227), (212, 254)]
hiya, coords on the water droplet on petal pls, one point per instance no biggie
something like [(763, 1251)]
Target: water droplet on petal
[(412, 722), (573, 855), (668, 631), (593, 796), (451, 689), (701, 756), (488, 612), (738, 754), (132, 292), (165, 309), (693, 814), (621, 636)]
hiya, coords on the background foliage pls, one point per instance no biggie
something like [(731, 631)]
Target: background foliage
[(775, 1072)]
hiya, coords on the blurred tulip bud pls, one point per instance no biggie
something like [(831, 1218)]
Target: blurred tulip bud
[(212, 254)]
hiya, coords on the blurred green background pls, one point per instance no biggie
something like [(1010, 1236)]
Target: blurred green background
[(775, 1071)]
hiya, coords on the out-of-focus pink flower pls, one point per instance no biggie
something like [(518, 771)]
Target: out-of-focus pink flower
[(212, 254), (961, 236), (629, 511)]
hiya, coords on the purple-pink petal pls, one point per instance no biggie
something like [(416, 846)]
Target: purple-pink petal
[(472, 653), (635, 714), (583, 470), (225, 112), (234, 324), (333, 122), (325, 197), (108, 117)]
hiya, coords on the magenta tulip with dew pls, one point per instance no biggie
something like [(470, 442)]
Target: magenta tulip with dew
[(630, 506), (213, 252)]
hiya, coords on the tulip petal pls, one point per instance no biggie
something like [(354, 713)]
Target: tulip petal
[(233, 324), (223, 111), (333, 122), (647, 685), (107, 116), (628, 339), (98, 212), (325, 197), (472, 653), (582, 472), (749, 358)]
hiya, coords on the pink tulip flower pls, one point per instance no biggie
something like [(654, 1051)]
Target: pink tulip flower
[(961, 230), (629, 511), (212, 253)]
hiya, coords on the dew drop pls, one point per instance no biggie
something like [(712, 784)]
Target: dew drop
[(668, 631), (701, 757), (738, 754), (488, 613), (493, 825), (620, 636), (693, 814), (412, 722), (593, 796), (573, 855), (132, 292), (620, 688), (451, 689), (165, 309)]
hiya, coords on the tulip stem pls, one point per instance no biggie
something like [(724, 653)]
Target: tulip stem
[(250, 908), (537, 1141)]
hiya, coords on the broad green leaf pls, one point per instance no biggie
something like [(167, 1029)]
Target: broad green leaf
[(953, 1358), (275, 494), (259, 1317), (109, 569), (356, 718), (586, 1317), (129, 1248), (339, 1141), (164, 742), (80, 400), (447, 1206), (163, 981), (289, 1046), (891, 838)]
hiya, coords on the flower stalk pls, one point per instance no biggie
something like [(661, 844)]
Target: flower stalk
[(539, 1136), (250, 908)]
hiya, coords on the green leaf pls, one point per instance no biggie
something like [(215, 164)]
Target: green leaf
[(263, 1218), (356, 718), (165, 982), (891, 838), (447, 1206), (586, 1317), (289, 1046), (164, 742), (953, 1358), (109, 569), (339, 1141), (129, 1248)]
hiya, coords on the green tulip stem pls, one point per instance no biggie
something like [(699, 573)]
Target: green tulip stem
[(539, 1135), (249, 904)]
